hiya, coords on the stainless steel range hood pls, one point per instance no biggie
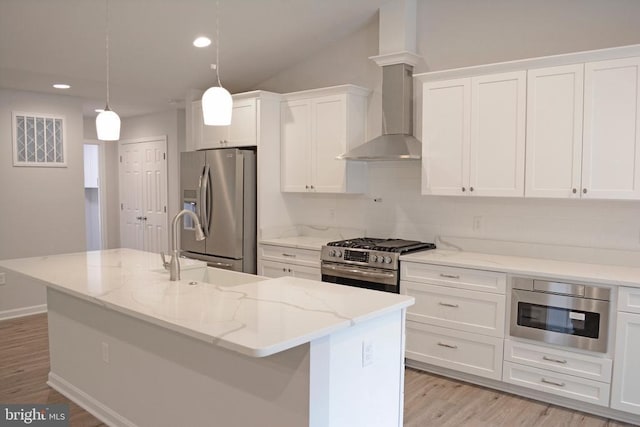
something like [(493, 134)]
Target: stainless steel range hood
[(397, 141)]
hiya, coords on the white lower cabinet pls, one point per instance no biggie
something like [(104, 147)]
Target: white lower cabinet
[(458, 319), (577, 388), (462, 351), (564, 362), (470, 311), (279, 261), (281, 269), (625, 387)]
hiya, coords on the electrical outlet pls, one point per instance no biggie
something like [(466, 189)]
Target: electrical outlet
[(3, 279), (367, 353), (477, 223), (105, 352)]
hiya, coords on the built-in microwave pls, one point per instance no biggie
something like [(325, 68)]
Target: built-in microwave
[(566, 314)]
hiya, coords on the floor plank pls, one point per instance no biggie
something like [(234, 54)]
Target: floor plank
[(24, 367), (430, 400)]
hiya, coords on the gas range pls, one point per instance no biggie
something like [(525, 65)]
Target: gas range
[(369, 251), (367, 262)]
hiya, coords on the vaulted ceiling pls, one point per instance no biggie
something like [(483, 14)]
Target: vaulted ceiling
[(153, 62)]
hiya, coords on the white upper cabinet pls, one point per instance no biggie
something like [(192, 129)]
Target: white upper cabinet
[(611, 150), (579, 114), (446, 137), (316, 127), (498, 103), (295, 135), (554, 131), (474, 136), (241, 133)]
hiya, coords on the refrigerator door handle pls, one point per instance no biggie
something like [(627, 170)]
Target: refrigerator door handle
[(205, 215)]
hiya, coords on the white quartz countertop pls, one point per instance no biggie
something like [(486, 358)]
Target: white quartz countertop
[(257, 317), (576, 271), (300, 242)]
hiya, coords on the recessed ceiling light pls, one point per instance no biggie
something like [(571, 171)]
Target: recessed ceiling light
[(202, 41), (61, 86)]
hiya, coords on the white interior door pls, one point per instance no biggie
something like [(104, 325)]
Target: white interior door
[(143, 194)]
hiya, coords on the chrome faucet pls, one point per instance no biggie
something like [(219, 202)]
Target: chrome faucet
[(174, 263)]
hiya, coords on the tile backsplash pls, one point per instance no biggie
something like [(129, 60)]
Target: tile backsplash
[(394, 207)]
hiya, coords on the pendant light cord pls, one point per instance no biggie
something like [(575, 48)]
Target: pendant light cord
[(107, 49), (218, 42)]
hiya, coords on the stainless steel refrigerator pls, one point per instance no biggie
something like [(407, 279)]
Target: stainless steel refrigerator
[(220, 187)]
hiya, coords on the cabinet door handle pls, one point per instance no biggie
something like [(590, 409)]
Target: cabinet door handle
[(289, 270), (546, 381), (584, 191), (306, 186), (284, 269), (441, 344), (289, 255), (464, 189), (446, 304), (449, 276), (574, 191), (312, 187), (470, 188), (144, 218), (551, 359)]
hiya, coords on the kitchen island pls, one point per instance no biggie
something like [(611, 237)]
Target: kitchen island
[(218, 347)]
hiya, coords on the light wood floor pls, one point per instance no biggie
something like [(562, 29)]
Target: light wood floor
[(430, 400)]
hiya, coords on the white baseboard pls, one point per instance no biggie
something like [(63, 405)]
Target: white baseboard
[(24, 311), (87, 402)]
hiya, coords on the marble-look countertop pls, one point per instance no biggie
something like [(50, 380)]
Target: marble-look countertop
[(572, 271), (301, 242), (257, 317)]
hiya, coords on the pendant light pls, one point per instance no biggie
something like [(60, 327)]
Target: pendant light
[(217, 103), (108, 122)]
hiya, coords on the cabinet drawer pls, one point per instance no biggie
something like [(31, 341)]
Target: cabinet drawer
[(289, 255), (463, 278), (281, 269), (462, 351), (461, 309), (629, 300), (581, 365), (559, 384)]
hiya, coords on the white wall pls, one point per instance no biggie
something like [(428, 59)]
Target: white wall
[(43, 208), (450, 35), (110, 187)]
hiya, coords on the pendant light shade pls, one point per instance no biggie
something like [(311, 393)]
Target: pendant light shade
[(108, 125), (217, 104), (107, 122)]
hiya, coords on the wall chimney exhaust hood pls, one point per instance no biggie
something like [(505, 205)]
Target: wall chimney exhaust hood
[(397, 141), (397, 57)]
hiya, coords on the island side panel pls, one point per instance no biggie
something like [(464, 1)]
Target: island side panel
[(357, 375), (156, 377)]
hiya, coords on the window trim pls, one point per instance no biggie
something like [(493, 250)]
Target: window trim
[(14, 140)]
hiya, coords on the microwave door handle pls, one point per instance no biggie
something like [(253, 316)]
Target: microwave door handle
[(204, 200)]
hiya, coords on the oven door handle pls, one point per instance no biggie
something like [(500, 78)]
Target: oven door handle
[(360, 273)]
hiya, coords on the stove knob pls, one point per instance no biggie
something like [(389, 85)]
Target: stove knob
[(339, 253), (374, 258), (332, 252), (387, 260)]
